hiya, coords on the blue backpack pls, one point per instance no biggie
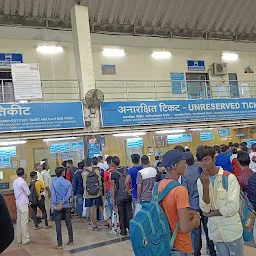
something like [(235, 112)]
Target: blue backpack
[(245, 210), (150, 231)]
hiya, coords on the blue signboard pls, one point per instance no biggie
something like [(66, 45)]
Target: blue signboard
[(176, 111), (41, 116), (7, 152), (224, 132), (77, 146), (5, 162), (6, 59), (178, 83), (196, 65), (179, 138), (240, 135), (94, 150), (206, 136), (62, 147), (135, 143)]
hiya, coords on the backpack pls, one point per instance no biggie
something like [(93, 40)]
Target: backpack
[(92, 183), (246, 211), (122, 194), (33, 197), (150, 231)]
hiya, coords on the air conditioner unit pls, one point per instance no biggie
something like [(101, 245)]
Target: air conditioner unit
[(219, 69)]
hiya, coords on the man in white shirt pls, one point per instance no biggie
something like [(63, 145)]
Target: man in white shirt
[(21, 193), (101, 164), (220, 203), (253, 158), (47, 179)]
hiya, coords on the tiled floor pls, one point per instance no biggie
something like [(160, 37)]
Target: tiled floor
[(87, 242)]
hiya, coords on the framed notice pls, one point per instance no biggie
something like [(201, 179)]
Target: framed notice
[(26, 81)]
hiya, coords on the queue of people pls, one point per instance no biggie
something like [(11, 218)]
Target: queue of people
[(202, 200)]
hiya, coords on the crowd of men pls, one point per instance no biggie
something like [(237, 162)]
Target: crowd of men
[(94, 181)]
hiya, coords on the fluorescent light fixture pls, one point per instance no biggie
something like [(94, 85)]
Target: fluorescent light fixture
[(10, 143), (113, 52), (170, 131), (230, 56), (23, 101), (161, 55), (200, 129), (129, 134), (60, 139), (49, 49)]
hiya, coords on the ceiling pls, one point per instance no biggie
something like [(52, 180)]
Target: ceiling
[(215, 19)]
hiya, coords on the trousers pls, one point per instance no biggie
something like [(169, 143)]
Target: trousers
[(47, 204), (66, 213), (40, 204), (234, 248), (125, 215), (22, 224)]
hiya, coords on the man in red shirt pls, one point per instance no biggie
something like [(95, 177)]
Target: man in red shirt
[(245, 173)]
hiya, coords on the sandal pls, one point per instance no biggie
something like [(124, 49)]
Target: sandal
[(95, 229)]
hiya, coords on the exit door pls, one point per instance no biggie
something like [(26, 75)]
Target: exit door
[(198, 85)]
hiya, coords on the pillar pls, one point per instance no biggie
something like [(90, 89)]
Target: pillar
[(82, 48)]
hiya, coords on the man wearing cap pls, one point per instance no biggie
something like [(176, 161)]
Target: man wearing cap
[(176, 203)]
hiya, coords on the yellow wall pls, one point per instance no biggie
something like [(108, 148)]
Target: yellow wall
[(117, 145)]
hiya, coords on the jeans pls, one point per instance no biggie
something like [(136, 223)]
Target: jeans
[(234, 248), (109, 199), (66, 212), (40, 204), (79, 205), (196, 237), (134, 203), (176, 252), (125, 215)]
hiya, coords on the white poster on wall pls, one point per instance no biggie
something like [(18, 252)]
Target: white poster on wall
[(26, 81)]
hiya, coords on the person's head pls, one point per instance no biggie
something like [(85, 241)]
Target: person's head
[(80, 165), (175, 162), (109, 160), (245, 149), (236, 145), (191, 160), (234, 151), (243, 144), (33, 176), (207, 158), (64, 164), (254, 147), (180, 148), (243, 158), (115, 161), (135, 159), (59, 171), (217, 149), (187, 150), (44, 166), (160, 167), (20, 172), (95, 161), (225, 149), (100, 159), (230, 144), (145, 160), (157, 158), (36, 166), (69, 163), (88, 162)]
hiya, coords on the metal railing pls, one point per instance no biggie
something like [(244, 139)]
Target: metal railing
[(52, 90), (164, 90)]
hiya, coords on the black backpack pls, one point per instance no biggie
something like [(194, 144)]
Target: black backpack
[(92, 183), (122, 194), (33, 197)]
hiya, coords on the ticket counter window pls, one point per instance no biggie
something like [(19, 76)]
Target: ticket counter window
[(133, 146), (6, 87)]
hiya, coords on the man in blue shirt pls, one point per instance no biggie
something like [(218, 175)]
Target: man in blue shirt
[(223, 160), (132, 176), (189, 180), (78, 188), (61, 192)]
